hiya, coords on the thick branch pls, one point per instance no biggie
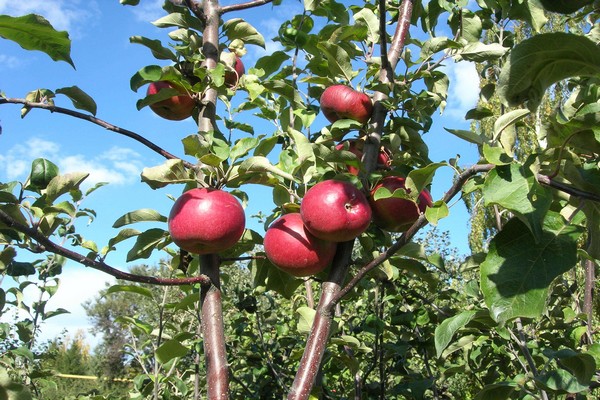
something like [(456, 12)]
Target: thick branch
[(48, 245), (310, 364), (97, 121), (390, 58), (244, 6), (217, 370)]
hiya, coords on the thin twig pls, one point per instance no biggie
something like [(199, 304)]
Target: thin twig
[(563, 187), (90, 118), (244, 6), (48, 245)]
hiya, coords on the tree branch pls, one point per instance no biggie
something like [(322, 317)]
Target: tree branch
[(547, 180), (48, 245), (410, 233), (97, 121), (244, 6)]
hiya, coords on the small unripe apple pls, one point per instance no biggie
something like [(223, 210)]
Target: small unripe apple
[(293, 249), (206, 221), (394, 214), (343, 102), (356, 147), (232, 77), (336, 211), (176, 108)]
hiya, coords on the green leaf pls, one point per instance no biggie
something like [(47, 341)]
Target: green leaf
[(143, 326), (560, 381), (538, 62), (480, 52), (515, 187), (242, 147), (496, 155), (34, 32), (338, 60), (172, 171), (141, 215), (7, 256), (150, 73), (129, 2), (158, 50), (54, 313), (307, 316), (169, 350), (437, 211), (271, 63), (417, 179), (446, 330), (518, 269), (367, 17), (469, 136), (80, 99), (17, 268), (42, 172), (582, 366), (179, 20), (122, 235), (269, 277), (262, 164), (507, 137), (497, 391), (146, 243), (129, 289), (62, 184), (237, 28)]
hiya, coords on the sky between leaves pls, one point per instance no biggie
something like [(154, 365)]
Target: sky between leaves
[(105, 61)]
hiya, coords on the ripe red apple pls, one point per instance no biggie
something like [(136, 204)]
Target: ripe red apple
[(336, 211), (356, 147), (343, 102), (232, 77), (293, 249), (206, 221), (395, 214), (174, 108)]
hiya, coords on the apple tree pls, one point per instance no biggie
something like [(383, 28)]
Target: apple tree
[(393, 318)]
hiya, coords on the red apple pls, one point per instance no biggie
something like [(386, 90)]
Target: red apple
[(343, 102), (356, 147), (395, 214), (293, 249), (232, 77), (336, 211), (174, 108), (206, 221)]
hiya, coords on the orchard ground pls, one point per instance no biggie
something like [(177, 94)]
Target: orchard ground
[(105, 61)]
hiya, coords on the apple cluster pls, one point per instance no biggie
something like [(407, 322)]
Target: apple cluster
[(334, 211), (182, 105), (206, 221), (304, 243)]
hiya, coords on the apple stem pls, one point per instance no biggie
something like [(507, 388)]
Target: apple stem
[(310, 364), (217, 369)]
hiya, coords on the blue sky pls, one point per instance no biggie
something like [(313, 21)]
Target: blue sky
[(105, 61)]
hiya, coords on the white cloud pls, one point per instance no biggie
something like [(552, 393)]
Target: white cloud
[(118, 166), (77, 285), (148, 11), (70, 15), (464, 88), (9, 62)]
